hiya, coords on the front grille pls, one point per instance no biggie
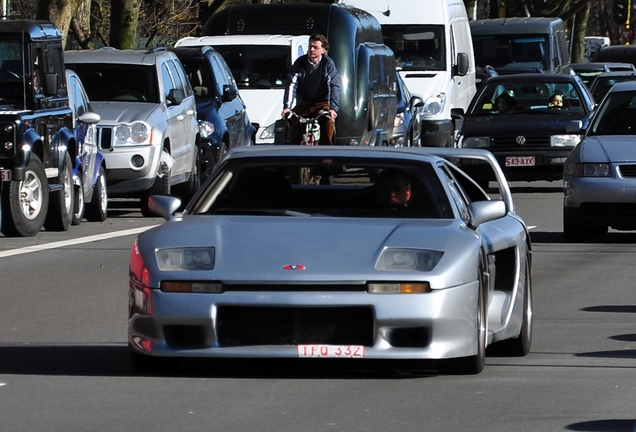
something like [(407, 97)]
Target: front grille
[(247, 325), (627, 170), (511, 141), (296, 288), (106, 138)]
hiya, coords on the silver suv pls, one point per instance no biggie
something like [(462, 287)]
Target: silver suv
[(148, 132)]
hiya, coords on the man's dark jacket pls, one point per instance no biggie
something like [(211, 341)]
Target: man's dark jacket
[(329, 86)]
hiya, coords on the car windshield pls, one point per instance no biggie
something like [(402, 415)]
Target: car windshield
[(118, 82), (512, 52), (325, 187), (12, 73), (416, 47), (616, 116), (602, 84), (522, 97), (257, 66)]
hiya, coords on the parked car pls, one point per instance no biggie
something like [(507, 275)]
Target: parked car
[(260, 64), (529, 137), (599, 180), (589, 71), (338, 270), (407, 127), (617, 54), (90, 196), (223, 120), (604, 82), (148, 131)]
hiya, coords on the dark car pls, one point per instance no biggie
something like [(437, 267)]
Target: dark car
[(514, 118), (222, 115), (617, 53), (407, 127), (604, 82), (589, 71)]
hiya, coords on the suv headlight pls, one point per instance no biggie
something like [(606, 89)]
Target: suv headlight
[(134, 134), (434, 105), (476, 142), (564, 140)]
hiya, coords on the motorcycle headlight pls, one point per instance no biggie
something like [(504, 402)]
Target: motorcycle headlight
[(434, 105), (564, 140)]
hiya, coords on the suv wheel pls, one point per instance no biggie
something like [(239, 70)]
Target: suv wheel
[(61, 208)]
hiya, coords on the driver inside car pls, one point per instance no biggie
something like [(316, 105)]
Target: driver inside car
[(392, 189)]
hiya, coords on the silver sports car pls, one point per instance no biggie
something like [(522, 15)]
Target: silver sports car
[(335, 252), (599, 178)]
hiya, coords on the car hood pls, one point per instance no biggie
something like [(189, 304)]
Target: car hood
[(608, 148), (263, 105), (424, 84), (519, 124), (257, 248), (123, 112)]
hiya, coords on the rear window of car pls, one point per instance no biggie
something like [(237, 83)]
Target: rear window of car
[(118, 82), (324, 187)]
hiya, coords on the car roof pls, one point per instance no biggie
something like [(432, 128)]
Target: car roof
[(112, 55), (531, 77), (616, 74), (283, 40), (625, 86)]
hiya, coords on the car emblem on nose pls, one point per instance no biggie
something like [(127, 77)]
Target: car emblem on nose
[(294, 267), (521, 140)]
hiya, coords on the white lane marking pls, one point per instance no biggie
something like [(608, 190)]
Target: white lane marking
[(72, 242)]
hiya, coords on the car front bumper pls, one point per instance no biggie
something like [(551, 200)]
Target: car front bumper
[(125, 174), (436, 325)]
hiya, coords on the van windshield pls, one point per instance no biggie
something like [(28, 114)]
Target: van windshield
[(257, 66), (512, 52), (416, 47)]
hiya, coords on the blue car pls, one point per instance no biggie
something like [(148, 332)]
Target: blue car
[(90, 197)]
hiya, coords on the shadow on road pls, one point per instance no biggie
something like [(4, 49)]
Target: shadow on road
[(614, 425), (610, 238), (109, 360)]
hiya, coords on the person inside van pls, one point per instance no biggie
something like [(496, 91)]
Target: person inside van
[(505, 103), (315, 85)]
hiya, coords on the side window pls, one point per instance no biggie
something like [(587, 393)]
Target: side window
[(228, 72), (219, 76), (457, 195), (79, 101), (471, 190), (176, 76), (167, 82), (187, 88), (53, 65)]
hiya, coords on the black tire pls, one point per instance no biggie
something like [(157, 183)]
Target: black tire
[(520, 346), (25, 217), (160, 187), (97, 209), (573, 231), (78, 204), (61, 207), (472, 365), (154, 365)]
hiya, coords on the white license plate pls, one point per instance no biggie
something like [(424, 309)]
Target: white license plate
[(6, 175), (515, 161), (330, 351)]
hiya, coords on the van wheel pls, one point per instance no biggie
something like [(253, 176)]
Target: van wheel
[(60, 214), (26, 202)]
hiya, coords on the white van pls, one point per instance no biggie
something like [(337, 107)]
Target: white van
[(260, 65), (434, 49)]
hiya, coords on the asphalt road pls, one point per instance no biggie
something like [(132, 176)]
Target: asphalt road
[(64, 363)]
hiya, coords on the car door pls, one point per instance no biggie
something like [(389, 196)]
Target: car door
[(176, 117), (187, 116), (85, 134), (231, 110)]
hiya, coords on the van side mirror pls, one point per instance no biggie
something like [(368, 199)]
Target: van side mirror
[(229, 93), (175, 97), (461, 68), (50, 84)]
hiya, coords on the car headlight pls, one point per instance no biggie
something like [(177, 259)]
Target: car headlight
[(591, 170), (206, 129), (434, 104), (399, 119), (268, 132), (137, 133), (564, 140), (408, 260), (476, 142), (175, 259)]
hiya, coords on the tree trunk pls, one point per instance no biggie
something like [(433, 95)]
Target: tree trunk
[(578, 37), (123, 23), (60, 13)]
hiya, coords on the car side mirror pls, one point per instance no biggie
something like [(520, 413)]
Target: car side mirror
[(461, 68), (50, 84), (229, 93), (164, 205), (486, 211), (175, 97), (457, 113), (416, 102), (89, 117), (574, 127)]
